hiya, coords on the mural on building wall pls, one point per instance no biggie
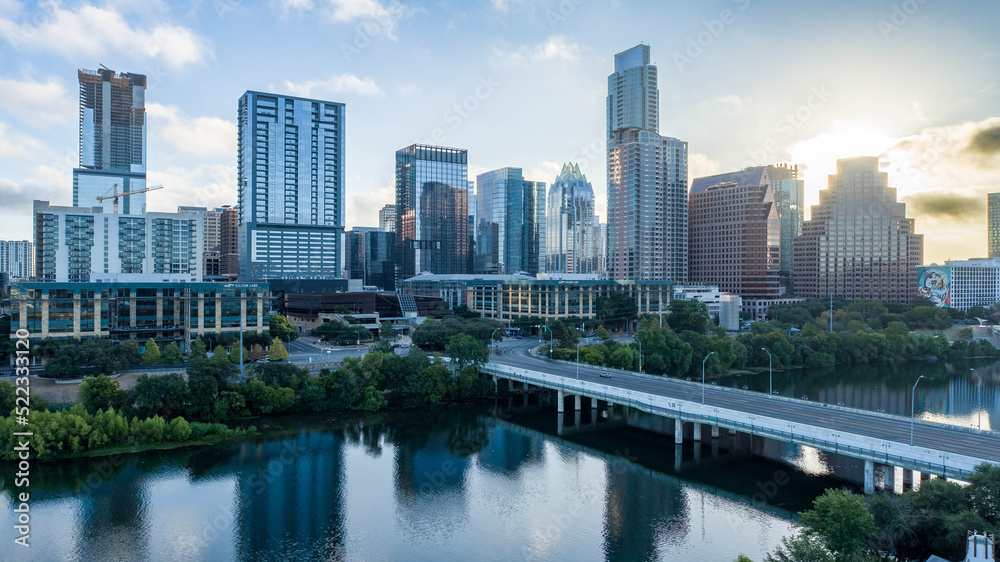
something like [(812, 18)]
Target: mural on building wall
[(934, 283)]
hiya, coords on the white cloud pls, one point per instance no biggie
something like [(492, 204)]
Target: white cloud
[(337, 84), (202, 185), (376, 17), (700, 165), (362, 205), (91, 32), (17, 145), (37, 104), (729, 104), (406, 88), (206, 137), (555, 48)]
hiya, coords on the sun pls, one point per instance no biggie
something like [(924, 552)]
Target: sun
[(817, 157)]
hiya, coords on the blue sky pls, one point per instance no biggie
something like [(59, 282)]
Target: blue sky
[(523, 83)]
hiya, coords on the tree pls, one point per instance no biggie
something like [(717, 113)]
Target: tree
[(165, 396), (99, 393), (801, 548), (984, 492), (466, 350), (277, 351), (688, 315), (234, 355), (7, 399), (602, 332), (842, 520), (386, 331), (279, 327), (616, 310), (152, 355), (256, 352), (172, 355)]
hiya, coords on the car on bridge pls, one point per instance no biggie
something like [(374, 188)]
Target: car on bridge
[(605, 375)]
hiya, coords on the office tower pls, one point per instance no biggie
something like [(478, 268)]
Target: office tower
[(600, 247), (387, 218), (229, 242), (509, 222), (993, 224), (734, 237), (17, 259), (213, 237), (571, 240), (112, 138), (647, 178), (290, 174), (432, 211), (371, 257), (79, 244), (858, 243), (788, 193)]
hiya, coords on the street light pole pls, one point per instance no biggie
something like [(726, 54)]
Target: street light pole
[(492, 345), (979, 399), (241, 353), (546, 327), (711, 353), (640, 353), (913, 400), (770, 372)]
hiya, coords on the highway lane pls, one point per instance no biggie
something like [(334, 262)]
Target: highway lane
[(941, 437)]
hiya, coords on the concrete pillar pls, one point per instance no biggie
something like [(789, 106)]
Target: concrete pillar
[(159, 308), (915, 478), (933, 476), (560, 423), (576, 420), (869, 478), (697, 453), (715, 432), (576, 403), (510, 386), (97, 314), (888, 479), (560, 397), (732, 431), (697, 432), (678, 431), (897, 480), (678, 457)]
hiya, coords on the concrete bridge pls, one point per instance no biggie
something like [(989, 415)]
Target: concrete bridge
[(938, 450)]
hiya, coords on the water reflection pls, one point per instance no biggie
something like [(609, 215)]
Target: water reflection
[(430, 484)]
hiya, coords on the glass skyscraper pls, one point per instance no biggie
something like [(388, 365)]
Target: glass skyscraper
[(510, 229), (647, 178), (290, 174), (571, 238), (432, 211), (371, 257), (112, 138)]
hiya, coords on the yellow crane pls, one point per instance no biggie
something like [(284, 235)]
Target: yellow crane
[(115, 195)]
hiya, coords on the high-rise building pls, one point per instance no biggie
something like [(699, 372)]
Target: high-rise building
[(112, 138), (734, 238), (858, 244), (647, 178), (371, 257), (229, 242), (571, 244), (290, 174), (387, 218), (432, 211), (88, 245), (600, 247), (509, 220), (213, 237), (788, 193), (17, 259), (993, 224)]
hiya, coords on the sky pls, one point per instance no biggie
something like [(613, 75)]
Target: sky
[(523, 83)]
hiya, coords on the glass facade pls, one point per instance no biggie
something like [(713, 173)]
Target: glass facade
[(432, 211), (993, 224), (570, 233), (371, 257), (290, 179), (510, 223)]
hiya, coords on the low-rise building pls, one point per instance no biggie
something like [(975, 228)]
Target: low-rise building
[(452, 288), (166, 312), (723, 307), (961, 284)]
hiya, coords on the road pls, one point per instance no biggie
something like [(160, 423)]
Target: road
[(950, 439)]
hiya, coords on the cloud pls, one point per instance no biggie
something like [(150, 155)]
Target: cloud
[(337, 84), (89, 32), (947, 205), (378, 18), (206, 137), (37, 103), (986, 142), (362, 206), (507, 5), (555, 48), (16, 145), (700, 165), (729, 104), (406, 88)]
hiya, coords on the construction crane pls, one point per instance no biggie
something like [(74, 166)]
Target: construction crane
[(115, 195)]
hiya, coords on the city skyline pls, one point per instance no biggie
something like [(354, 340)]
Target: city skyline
[(937, 138)]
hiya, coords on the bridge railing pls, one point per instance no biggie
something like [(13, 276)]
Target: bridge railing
[(854, 445)]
